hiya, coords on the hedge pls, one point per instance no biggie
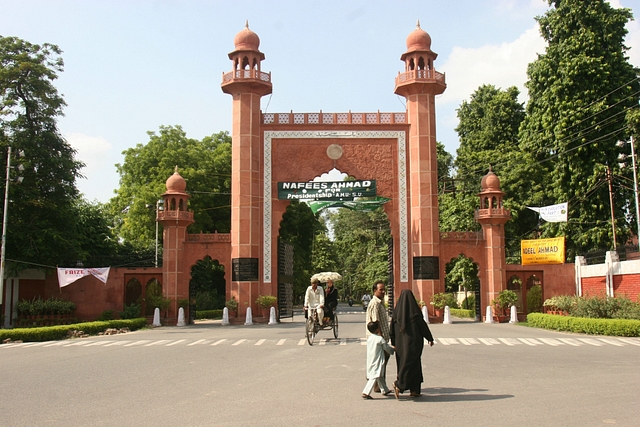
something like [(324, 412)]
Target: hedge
[(460, 312), (583, 325), (209, 314), (51, 333)]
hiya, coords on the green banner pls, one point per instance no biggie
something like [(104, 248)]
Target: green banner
[(356, 205), (326, 190)]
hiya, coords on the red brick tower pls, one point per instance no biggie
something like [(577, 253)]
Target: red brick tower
[(246, 84), (419, 84), (175, 218), (492, 216)]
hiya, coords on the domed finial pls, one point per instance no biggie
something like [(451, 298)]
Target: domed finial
[(418, 25), (176, 169), (490, 169), (246, 24)]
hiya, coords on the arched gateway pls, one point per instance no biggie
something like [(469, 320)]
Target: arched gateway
[(397, 150)]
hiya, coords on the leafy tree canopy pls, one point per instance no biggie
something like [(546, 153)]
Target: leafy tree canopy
[(205, 165), (43, 211), (580, 90)]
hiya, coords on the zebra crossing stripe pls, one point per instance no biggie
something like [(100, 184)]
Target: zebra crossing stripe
[(156, 343), (136, 343), (323, 341), (612, 342), (239, 342), (219, 341), (200, 342), (570, 341), (174, 343), (343, 341), (488, 341), (98, 343), (117, 343), (302, 341), (260, 342), (78, 343), (363, 341), (282, 341), (551, 341), (509, 341), (591, 341), (53, 344), (630, 341)]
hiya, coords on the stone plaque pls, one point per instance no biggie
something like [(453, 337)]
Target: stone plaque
[(244, 269), (426, 268)]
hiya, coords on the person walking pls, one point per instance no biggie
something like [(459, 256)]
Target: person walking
[(377, 312), (408, 332), (377, 348)]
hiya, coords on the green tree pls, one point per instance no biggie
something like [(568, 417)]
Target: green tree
[(445, 168), (205, 165), (579, 90), (488, 132), (361, 241), (43, 210), (298, 227)]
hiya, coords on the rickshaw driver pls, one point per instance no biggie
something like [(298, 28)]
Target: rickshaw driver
[(314, 298)]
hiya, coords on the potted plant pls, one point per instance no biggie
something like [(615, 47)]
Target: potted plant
[(232, 306), (503, 303), (438, 301), (265, 302)]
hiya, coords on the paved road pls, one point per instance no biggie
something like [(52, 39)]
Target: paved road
[(214, 375)]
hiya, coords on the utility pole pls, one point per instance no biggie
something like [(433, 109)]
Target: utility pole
[(613, 219)]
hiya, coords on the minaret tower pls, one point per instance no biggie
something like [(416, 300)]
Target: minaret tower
[(175, 218), (246, 84), (492, 216), (419, 84)]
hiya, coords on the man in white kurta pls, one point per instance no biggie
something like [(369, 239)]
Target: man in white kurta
[(314, 298)]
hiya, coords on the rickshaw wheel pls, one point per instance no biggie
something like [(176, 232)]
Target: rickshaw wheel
[(335, 325), (311, 332)]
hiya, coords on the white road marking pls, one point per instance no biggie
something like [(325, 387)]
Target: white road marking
[(219, 341), (174, 343), (239, 342), (260, 342), (282, 341)]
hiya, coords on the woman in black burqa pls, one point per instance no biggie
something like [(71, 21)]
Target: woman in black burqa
[(408, 331)]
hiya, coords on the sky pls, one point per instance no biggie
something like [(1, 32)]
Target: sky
[(133, 66)]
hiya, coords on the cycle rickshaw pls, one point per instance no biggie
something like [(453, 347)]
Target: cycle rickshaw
[(312, 325)]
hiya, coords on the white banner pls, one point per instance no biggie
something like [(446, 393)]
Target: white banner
[(66, 276), (553, 213)]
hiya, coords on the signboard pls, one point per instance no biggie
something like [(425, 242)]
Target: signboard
[(244, 269), (426, 268), (326, 190), (542, 251)]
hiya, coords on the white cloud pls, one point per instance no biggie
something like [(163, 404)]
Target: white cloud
[(97, 154), (501, 65)]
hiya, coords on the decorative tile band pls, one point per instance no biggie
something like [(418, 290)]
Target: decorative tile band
[(402, 188)]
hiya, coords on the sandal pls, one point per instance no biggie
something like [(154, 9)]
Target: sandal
[(386, 393), (366, 396), (415, 394), (396, 391)]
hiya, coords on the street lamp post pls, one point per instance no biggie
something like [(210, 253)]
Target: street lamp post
[(159, 207), (5, 216)]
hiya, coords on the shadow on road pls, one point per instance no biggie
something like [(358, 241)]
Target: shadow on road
[(443, 394)]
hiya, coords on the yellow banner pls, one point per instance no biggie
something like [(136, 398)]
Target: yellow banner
[(542, 251)]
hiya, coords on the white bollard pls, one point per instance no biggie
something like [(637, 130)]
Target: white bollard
[(225, 316), (514, 315), (249, 319), (181, 317), (447, 315), (156, 317), (272, 316), (425, 314), (489, 315)]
